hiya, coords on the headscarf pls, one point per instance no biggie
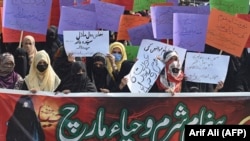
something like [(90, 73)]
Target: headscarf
[(118, 63), (8, 77), (47, 80), (99, 75), (52, 42), (52, 34), (32, 50), (99, 57), (170, 78), (79, 82), (24, 125), (21, 62)]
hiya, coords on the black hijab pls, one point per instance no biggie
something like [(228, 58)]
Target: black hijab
[(21, 62), (24, 124), (99, 75), (52, 42), (78, 82)]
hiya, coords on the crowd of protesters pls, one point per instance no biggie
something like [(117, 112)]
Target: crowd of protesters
[(50, 68), (45, 66)]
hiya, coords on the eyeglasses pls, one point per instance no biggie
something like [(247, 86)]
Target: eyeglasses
[(116, 52)]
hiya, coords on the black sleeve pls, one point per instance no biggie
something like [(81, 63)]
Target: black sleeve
[(24, 87), (242, 79), (115, 89), (241, 82), (91, 86), (115, 74), (113, 85), (154, 89)]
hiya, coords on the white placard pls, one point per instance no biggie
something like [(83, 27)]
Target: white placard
[(156, 49), (206, 68), (86, 43), (144, 74)]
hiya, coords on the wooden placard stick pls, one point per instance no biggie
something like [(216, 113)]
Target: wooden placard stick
[(20, 41)]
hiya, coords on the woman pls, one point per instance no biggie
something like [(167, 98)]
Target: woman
[(122, 80), (21, 62), (52, 42), (62, 64), (98, 73), (78, 80), (170, 80), (117, 54), (9, 79), (41, 75), (29, 45), (24, 125), (242, 77)]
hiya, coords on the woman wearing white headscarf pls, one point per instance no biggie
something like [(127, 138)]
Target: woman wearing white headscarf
[(170, 79), (41, 75)]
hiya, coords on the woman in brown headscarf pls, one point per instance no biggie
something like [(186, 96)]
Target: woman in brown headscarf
[(41, 75), (9, 79), (29, 45)]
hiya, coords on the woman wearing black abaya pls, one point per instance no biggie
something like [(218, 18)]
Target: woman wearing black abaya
[(24, 125), (121, 79), (21, 62), (62, 64), (98, 73), (235, 63), (242, 81), (78, 80), (52, 42)]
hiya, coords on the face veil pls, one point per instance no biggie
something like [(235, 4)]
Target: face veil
[(24, 125)]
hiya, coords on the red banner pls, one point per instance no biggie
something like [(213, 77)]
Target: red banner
[(119, 116)]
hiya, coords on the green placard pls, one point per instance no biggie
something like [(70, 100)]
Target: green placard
[(231, 6), (140, 5), (132, 52)]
